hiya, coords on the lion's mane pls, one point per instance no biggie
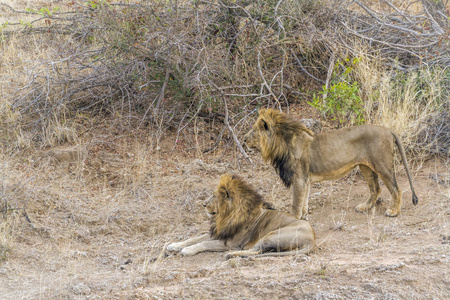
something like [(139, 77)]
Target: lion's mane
[(237, 205), (278, 148)]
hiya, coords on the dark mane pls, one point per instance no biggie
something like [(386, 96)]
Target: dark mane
[(284, 168), (278, 147), (245, 201)]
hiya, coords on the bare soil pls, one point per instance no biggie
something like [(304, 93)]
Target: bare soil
[(101, 215)]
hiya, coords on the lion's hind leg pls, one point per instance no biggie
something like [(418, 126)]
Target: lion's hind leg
[(372, 181), (247, 253), (391, 183), (385, 170), (290, 240), (242, 253)]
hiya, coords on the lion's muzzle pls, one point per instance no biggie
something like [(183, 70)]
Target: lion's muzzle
[(248, 135), (209, 207), (249, 140)]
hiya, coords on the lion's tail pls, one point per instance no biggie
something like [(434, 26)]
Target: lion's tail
[(415, 200)]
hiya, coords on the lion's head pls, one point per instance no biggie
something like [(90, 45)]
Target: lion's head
[(233, 204), (272, 135)]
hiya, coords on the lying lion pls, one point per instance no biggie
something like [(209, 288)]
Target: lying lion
[(301, 158), (239, 220)]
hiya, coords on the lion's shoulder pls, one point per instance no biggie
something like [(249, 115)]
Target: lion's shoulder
[(268, 221)]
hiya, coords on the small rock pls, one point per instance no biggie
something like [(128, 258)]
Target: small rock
[(314, 125), (371, 287), (81, 289), (77, 253)]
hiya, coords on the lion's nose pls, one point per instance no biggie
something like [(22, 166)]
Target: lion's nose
[(247, 136)]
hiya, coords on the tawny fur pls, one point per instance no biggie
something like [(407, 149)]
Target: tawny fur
[(300, 157), (240, 221)]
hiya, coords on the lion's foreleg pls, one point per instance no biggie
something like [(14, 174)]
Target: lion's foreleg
[(212, 245), (305, 201), (300, 191), (177, 247)]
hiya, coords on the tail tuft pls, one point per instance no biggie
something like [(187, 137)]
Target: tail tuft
[(415, 200)]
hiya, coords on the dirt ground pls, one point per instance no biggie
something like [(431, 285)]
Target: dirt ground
[(101, 214)]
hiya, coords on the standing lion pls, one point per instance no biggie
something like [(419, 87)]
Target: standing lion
[(241, 221), (301, 158)]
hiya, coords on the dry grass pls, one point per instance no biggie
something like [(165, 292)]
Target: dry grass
[(414, 104), (99, 227), (7, 236)]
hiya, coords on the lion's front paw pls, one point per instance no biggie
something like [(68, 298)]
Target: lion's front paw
[(392, 212), (363, 207), (174, 247), (188, 251), (304, 217)]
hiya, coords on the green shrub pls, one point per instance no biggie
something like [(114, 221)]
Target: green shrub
[(341, 101)]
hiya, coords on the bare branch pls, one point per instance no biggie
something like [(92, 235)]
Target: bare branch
[(227, 123), (329, 73), (163, 91), (236, 141), (303, 69), (265, 82)]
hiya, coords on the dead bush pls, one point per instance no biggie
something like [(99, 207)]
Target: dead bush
[(161, 64)]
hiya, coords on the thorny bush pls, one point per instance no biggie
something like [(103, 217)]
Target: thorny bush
[(164, 63)]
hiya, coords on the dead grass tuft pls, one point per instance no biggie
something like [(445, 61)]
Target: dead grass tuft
[(413, 103), (7, 232)]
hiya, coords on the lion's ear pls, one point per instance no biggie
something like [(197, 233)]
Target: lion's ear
[(265, 125), (224, 192)]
